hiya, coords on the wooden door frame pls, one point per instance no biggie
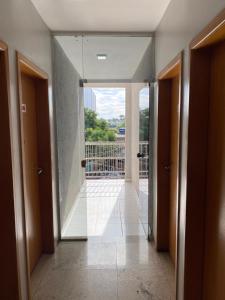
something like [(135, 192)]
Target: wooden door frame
[(174, 68), (9, 245), (197, 155), (27, 67)]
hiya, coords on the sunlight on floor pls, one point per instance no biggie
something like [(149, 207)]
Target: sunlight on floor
[(105, 208)]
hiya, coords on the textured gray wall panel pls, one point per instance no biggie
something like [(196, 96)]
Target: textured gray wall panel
[(69, 123)]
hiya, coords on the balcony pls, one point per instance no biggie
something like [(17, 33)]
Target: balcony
[(107, 160)]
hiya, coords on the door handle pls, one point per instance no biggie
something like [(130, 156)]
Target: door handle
[(167, 168), (140, 155), (83, 163), (40, 171)]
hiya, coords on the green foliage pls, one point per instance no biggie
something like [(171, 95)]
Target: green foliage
[(117, 122), (97, 129), (111, 135), (90, 118), (121, 122), (144, 125), (103, 124), (121, 125)]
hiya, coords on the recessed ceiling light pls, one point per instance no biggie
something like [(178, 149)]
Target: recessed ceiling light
[(101, 56)]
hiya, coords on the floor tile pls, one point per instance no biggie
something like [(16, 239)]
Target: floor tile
[(102, 209), (133, 229), (116, 263), (126, 269)]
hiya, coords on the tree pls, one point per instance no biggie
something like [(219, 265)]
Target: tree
[(97, 129), (121, 123), (90, 118), (103, 124), (111, 135), (144, 125)]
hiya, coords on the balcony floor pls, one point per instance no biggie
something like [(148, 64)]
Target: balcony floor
[(106, 209)]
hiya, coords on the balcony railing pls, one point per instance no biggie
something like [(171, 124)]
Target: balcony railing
[(144, 162), (107, 160)]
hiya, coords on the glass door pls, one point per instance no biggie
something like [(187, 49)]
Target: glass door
[(143, 156)]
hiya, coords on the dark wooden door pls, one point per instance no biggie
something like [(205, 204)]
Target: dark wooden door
[(30, 169), (168, 157), (214, 260), (9, 285), (174, 166)]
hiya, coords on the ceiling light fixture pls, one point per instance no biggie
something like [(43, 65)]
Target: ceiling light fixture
[(101, 56)]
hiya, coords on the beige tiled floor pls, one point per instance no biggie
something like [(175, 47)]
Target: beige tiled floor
[(127, 269), (116, 263), (105, 208)]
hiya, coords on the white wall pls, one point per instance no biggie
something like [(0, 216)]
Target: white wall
[(146, 69), (22, 29), (181, 22), (128, 137)]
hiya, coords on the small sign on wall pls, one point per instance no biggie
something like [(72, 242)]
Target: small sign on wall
[(23, 108)]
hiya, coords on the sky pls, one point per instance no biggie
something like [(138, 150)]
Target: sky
[(110, 102)]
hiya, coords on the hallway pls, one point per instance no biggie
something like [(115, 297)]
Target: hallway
[(117, 259)]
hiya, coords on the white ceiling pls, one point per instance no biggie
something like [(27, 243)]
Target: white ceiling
[(124, 55), (101, 15)]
